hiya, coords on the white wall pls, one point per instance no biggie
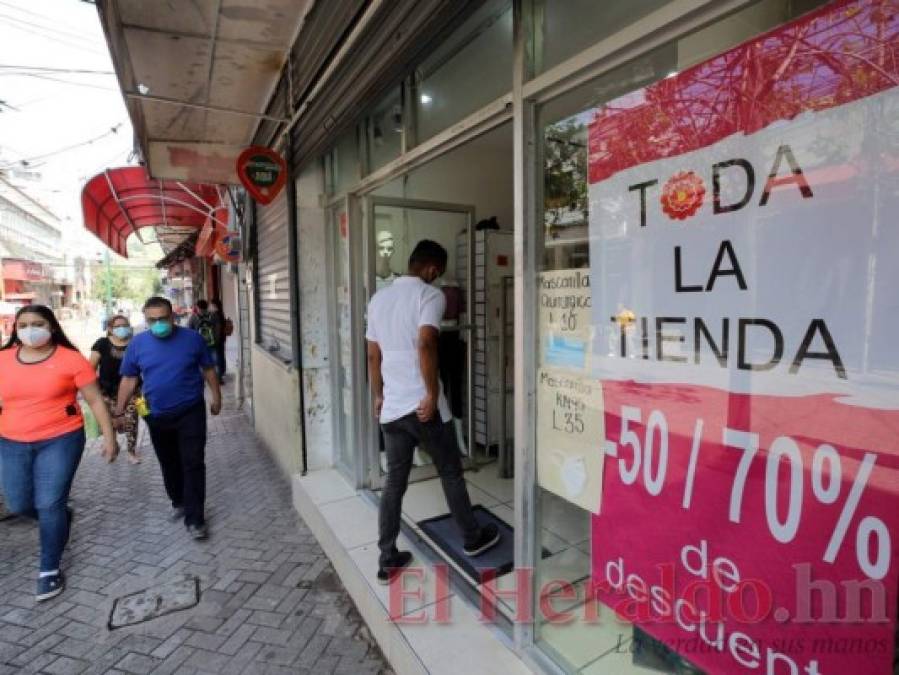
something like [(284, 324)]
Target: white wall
[(314, 284), (478, 173), (276, 409)]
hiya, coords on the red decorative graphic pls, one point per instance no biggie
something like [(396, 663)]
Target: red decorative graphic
[(682, 195), (843, 52)]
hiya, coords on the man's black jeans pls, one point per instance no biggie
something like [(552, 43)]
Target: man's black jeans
[(179, 440), (439, 440)]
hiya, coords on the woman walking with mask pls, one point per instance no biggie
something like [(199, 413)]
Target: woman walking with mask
[(42, 431), (106, 358)]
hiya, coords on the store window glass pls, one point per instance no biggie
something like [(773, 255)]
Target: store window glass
[(384, 130), (340, 237), (563, 29), (342, 164), (447, 91), (709, 324)]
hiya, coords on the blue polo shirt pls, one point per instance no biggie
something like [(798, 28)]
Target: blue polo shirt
[(171, 368)]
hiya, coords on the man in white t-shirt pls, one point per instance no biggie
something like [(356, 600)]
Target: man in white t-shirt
[(403, 331)]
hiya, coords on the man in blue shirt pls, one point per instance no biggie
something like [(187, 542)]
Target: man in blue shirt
[(172, 363)]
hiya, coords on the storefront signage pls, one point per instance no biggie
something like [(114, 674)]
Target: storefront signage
[(263, 173), (569, 437), (24, 270), (206, 239), (743, 243), (228, 247)]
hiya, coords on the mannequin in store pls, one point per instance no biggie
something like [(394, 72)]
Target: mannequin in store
[(386, 247), (451, 350)]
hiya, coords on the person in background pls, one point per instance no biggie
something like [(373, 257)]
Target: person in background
[(106, 357), (42, 431), (218, 325), (403, 329), (203, 322), (172, 363)]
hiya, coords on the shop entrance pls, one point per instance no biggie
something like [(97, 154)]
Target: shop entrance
[(393, 226), (464, 201)]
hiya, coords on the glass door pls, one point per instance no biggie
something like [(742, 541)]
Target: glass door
[(346, 375), (392, 228)]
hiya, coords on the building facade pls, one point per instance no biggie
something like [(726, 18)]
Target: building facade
[(675, 379), (35, 268)]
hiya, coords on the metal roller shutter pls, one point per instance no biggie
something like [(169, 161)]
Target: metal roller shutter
[(273, 262), (398, 37), (400, 33)]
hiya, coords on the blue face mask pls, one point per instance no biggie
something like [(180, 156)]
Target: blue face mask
[(161, 329), (122, 332)]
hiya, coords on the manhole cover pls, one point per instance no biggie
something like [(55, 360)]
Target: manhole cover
[(155, 602)]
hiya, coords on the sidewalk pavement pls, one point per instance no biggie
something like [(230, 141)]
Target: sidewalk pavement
[(270, 603)]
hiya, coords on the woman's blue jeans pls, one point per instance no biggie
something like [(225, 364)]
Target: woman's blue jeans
[(36, 479)]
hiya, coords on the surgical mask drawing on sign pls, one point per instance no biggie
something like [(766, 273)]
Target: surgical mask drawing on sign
[(34, 336)]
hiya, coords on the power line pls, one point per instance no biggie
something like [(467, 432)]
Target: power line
[(29, 160), (106, 164), (49, 27), (80, 71), (36, 15), (57, 79), (47, 35)]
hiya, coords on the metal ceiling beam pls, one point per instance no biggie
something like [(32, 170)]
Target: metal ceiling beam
[(203, 106), (194, 35)]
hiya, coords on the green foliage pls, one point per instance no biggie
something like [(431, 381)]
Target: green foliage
[(116, 277), (127, 284), (565, 169)]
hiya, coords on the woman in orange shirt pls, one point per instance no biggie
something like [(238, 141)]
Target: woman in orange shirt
[(42, 430)]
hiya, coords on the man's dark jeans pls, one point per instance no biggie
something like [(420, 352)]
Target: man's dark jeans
[(439, 440), (180, 443)]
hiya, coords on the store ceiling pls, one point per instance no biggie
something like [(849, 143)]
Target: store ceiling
[(196, 75)]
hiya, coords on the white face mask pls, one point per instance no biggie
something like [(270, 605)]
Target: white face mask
[(34, 336)]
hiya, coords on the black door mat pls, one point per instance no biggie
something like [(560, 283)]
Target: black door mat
[(444, 533), (152, 603)]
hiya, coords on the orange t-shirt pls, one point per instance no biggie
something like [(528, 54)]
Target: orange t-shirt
[(39, 399)]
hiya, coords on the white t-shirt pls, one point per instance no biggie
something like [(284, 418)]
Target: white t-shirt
[(395, 315)]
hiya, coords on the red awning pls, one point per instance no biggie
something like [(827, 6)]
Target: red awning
[(120, 202)]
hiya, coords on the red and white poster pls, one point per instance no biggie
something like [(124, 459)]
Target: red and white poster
[(744, 224)]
